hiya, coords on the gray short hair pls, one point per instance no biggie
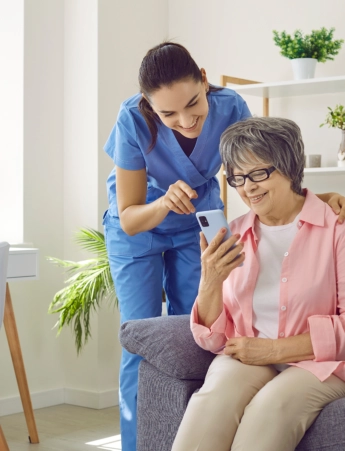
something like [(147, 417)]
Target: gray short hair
[(271, 140)]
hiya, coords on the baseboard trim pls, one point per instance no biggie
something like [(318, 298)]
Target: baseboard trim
[(54, 397), (93, 400)]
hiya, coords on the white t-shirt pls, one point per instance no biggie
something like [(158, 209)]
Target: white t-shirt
[(273, 243)]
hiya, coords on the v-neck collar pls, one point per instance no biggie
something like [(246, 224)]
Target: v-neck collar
[(186, 144)]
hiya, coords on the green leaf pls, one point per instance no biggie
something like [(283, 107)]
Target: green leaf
[(335, 117), (88, 284), (319, 44)]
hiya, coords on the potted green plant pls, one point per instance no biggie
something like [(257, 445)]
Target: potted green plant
[(88, 284), (336, 118), (305, 50)]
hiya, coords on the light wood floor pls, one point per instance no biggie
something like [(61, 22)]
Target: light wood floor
[(65, 428)]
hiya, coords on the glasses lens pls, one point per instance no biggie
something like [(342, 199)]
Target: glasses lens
[(255, 176), (259, 175), (236, 180)]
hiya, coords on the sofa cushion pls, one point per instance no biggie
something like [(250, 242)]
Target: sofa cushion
[(168, 344)]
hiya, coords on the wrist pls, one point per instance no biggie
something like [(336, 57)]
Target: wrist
[(212, 288), (325, 197), (275, 350), (162, 205)]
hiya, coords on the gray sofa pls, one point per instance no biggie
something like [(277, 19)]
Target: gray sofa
[(174, 366)]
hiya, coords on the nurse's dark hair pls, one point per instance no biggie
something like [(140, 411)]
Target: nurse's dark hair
[(269, 140), (164, 65)]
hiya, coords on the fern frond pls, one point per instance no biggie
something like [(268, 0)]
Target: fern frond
[(89, 283)]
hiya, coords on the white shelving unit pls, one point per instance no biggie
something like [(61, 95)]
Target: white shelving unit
[(312, 86), (325, 170)]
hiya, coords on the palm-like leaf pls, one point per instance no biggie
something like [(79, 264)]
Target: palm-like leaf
[(89, 282)]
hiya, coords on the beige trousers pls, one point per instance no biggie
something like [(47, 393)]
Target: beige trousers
[(245, 408)]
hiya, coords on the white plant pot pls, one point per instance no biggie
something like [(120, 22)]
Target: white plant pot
[(303, 68), (341, 150)]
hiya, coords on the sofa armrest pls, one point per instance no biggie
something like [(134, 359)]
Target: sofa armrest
[(327, 432), (167, 343)]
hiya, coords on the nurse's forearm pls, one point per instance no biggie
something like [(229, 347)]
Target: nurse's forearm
[(141, 218)]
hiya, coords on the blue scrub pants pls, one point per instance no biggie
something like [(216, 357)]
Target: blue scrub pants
[(141, 266)]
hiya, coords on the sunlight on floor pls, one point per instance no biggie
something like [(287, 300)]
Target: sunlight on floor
[(110, 443)]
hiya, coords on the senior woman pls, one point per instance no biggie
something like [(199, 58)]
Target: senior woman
[(281, 316)]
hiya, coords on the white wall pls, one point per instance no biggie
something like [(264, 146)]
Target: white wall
[(43, 203), (235, 38), (11, 119)]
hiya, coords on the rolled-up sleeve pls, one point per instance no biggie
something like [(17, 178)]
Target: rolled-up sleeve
[(327, 332), (211, 339), (322, 338)]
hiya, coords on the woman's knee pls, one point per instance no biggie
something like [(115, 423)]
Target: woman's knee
[(230, 381)]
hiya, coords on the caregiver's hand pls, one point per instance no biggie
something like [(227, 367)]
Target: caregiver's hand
[(251, 350), (178, 197), (337, 202)]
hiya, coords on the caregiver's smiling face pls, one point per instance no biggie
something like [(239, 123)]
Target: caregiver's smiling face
[(182, 106)]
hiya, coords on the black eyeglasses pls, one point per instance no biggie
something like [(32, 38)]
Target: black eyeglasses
[(255, 176)]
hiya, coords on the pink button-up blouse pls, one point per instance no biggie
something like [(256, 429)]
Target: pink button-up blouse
[(312, 290)]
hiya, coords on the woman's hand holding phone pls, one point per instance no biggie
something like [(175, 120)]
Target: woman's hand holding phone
[(221, 252), (220, 257)]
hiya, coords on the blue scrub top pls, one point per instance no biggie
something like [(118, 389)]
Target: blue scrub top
[(166, 163)]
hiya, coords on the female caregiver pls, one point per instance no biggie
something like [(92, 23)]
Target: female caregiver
[(165, 145), (281, 316)]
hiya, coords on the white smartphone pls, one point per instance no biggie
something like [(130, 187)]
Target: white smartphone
[(211, 222)]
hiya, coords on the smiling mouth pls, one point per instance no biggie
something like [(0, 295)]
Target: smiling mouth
[(192, 127), (257, 198)]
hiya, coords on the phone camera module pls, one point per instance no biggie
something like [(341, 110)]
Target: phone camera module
[(204, 221)]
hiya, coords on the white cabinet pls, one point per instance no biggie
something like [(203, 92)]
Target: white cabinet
[(22, 264)]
